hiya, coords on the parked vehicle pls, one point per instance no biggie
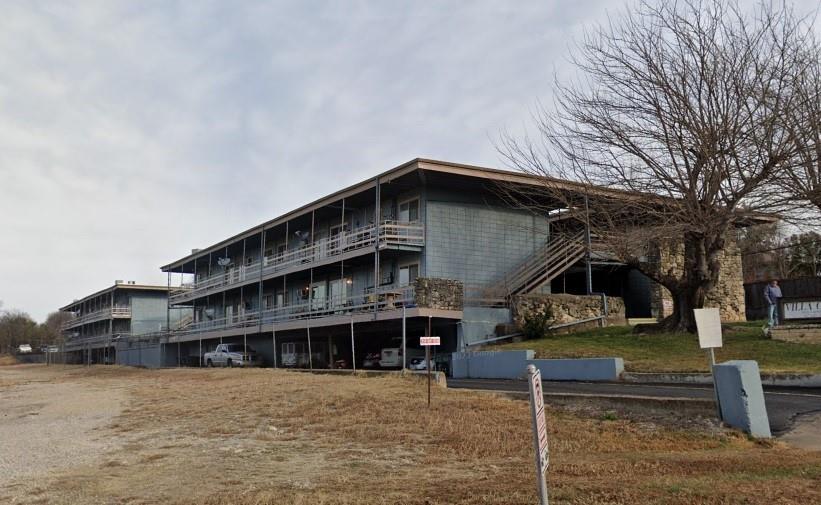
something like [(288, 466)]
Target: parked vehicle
[(419, 364), (24, 348), (392, 356), (231, 355), (371, 360)]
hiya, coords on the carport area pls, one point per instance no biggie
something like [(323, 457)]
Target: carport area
[(342, 346)]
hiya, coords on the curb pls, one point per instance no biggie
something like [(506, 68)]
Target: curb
[(604, 396), (783, 380)]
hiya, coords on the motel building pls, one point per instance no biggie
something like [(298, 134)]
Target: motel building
[(368, 270), (110, 325)]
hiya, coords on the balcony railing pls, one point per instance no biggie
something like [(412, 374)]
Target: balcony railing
[(385, 299), (99, 315), (391, 233), (73, 343)]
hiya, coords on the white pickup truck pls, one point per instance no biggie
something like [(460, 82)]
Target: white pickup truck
[(231, 355)]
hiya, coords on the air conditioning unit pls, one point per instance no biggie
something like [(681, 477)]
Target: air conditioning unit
[(118, 281)]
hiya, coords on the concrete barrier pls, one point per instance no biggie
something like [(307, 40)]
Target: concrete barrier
[(490, 364), (742, 398), (590, 369), (513, 364)]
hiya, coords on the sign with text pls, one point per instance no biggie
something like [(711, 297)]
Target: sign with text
[(539, 422), (708, 323), (425, 341), (801, 309)]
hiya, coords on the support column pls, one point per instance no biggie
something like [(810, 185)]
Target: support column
[(353, 347), (274, 338), (261, 263), (376, 218)]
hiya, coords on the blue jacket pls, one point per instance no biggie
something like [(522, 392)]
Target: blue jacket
[(772, 294)]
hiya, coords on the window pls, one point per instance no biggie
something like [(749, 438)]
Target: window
[(408, 274), (409, 211), (268, 302), (249, 260)]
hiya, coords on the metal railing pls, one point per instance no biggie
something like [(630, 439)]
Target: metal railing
[(86, 340), (384, 299), (99, 315), (391, 233)]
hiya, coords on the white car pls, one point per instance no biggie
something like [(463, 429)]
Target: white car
[(419, 364), (24, 348)]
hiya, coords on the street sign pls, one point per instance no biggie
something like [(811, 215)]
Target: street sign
[(539, 423), (429, 341), (708, 323)]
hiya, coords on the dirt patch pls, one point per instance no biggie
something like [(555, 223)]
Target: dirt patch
[(264, 436), (46, 426)]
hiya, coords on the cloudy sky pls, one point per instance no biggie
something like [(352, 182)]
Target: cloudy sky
[(132, 132)]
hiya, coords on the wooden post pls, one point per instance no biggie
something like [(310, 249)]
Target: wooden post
[(427, 359)]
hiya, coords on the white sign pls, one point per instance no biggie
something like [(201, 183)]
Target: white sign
[(423, 341), (806, 309), (708, 322), (540, 424)]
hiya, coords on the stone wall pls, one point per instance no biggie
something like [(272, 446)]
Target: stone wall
[(727, 294), (798, 333), (566, 308), (435, 293)]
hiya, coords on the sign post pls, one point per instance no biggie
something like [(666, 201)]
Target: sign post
[(427, 342), (708, 323), (537, 417)]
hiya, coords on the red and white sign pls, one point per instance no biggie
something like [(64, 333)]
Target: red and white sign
[(423, 341)]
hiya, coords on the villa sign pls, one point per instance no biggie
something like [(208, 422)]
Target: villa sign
[(809, 308)]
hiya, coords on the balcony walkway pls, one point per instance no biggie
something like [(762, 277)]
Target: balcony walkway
[(392, 234), (386, 304), (99, 315)]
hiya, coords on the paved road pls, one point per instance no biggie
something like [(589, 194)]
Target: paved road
[(783, 404)]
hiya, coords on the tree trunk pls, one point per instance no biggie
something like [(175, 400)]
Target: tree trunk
[(682, 319)]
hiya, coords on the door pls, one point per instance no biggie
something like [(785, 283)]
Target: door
[(409, 211), (339, 292), (335, 239), (319, 296), (408, 274)]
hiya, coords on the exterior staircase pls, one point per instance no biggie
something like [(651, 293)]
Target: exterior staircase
[(546, 264)]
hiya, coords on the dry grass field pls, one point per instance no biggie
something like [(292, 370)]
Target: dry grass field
[(273, 437)]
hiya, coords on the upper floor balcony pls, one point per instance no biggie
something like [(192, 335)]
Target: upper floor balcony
[(98, 315), (347, 243)]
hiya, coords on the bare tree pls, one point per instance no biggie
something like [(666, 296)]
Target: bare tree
[(803, 179), (671, 135)]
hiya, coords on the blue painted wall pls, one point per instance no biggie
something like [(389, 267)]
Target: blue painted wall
[(475, 243)]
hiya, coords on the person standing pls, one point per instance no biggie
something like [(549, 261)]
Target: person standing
[(772, 294)]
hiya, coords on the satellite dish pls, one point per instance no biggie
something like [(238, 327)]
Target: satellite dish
[(223, 262), (302, 235)]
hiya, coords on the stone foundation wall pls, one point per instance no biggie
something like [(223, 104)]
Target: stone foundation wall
[(567, 308), (435, 293), (799, 333), (727, 295)]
